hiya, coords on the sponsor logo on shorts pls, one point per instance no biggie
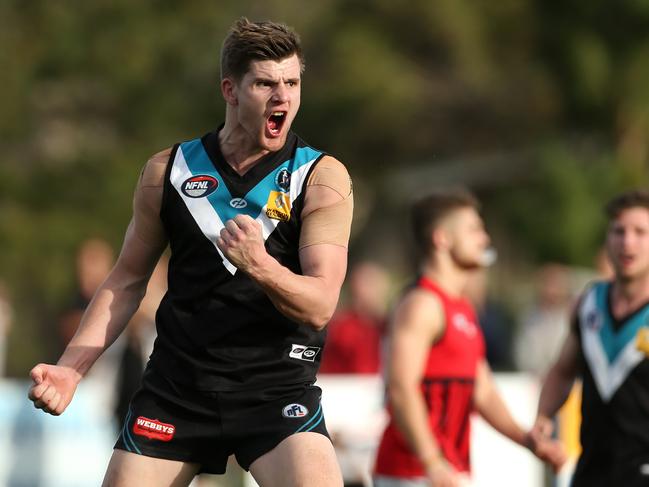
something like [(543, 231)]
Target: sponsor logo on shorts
[(302, 352), (238, 203), (283, 180), (153, 429), (295, 411), (199, 186)]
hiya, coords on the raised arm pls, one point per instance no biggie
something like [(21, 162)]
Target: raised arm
[(115, 301), (309, 298), (417, 322)]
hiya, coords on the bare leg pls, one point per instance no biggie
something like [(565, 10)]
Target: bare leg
[(301, 460), (130, 470)]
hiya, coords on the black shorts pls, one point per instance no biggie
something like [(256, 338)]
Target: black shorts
[(167, 420)]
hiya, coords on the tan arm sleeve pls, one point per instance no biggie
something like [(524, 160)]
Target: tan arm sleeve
[(328, 222), (148, 199)]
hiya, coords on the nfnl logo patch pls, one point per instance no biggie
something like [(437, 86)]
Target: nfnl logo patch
[(294, 411), (199, 186), (302, 352), (153, 429)]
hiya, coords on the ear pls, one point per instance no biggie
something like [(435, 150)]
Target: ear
[(440, 238), (229, 91)]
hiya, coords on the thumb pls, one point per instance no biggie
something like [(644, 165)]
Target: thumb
[(36, 374)]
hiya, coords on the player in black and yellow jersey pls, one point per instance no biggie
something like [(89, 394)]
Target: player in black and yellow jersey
[(258, 224)]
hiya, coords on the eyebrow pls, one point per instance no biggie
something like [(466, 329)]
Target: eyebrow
[(261, 79)]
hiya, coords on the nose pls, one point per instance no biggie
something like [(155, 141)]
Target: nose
[(281, 93)]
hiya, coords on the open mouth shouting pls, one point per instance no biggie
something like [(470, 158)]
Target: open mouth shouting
[(275, 122)]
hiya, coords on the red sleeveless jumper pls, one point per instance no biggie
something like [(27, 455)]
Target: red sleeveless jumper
[(447, 387)]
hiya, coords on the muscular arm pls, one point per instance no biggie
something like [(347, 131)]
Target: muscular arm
[(491, 407), (417, 322), (115, 301), (309, 298)]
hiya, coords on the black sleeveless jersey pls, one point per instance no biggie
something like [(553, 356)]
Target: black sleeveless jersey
[(217, 329), (615, 395)]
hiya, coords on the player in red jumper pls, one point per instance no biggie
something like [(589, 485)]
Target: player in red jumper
[(436, 368)]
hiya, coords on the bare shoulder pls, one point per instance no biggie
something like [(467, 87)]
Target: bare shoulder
[(154, 170), (419, 308)]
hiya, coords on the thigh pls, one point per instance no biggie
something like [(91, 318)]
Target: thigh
[(127, 469), (302, 459)]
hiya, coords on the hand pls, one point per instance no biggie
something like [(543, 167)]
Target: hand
[(543, 428), (539, 441), (53, 387), (242, 244), (441, 474)]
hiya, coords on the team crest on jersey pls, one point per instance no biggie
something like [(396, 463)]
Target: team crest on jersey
[(199, 186), (153, 429), (283, 180), (302, 352), (278, 206), (295, 411), (464, 325), (593, 321)]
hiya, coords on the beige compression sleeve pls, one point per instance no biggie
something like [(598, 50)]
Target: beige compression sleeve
[(148, 197), (329, 224)]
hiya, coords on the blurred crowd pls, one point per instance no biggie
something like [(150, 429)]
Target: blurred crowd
[(521, 336)]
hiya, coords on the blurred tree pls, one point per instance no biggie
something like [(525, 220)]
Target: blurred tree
[(91, 89)]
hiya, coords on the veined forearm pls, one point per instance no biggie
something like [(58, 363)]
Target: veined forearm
[(104, 320), (305, 299)]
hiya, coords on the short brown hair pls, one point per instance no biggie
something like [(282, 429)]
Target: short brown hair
[(428, 212), (629, 199), (257, 41)]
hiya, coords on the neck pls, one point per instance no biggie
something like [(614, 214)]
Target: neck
[(238, 149), (446, 274), (631, 291)]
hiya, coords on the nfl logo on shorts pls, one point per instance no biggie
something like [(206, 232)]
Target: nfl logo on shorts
[(294, 411)]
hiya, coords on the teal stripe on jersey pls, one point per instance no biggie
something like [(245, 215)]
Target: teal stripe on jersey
[(613, 341), (259, 194), (199, 162)]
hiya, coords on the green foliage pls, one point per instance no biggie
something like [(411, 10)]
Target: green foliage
[(91, 89), (558, 216)]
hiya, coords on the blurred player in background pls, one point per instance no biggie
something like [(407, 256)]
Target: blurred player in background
[(258, 223), (608, 346), (437, 373)]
